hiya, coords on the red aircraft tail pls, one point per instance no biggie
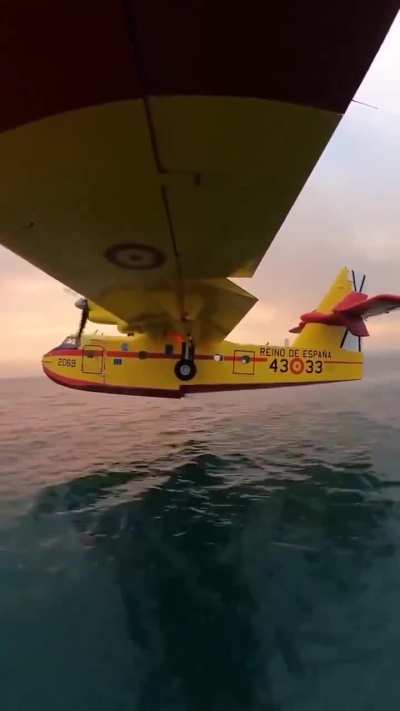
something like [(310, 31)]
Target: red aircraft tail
[(349, 311)]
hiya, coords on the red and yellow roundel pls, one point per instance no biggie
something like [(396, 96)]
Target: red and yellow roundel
[(296, 365)]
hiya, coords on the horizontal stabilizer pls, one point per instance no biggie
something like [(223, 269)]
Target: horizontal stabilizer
[(354, 324), (351, 312), (362, 305)]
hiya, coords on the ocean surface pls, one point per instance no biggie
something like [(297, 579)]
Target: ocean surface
[(226, 552)]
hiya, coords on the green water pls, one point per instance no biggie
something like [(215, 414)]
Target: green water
[(225, 552)]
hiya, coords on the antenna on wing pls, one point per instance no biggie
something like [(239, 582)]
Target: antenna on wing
[(364, 103)]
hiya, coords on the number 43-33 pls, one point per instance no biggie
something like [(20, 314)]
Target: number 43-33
[(283, 366)]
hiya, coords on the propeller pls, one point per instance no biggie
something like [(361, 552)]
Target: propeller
[(82, 304)]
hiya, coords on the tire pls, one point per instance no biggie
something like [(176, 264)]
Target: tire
[(185, 369)]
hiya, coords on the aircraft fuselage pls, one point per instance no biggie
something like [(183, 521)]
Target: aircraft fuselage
[(140, 365)]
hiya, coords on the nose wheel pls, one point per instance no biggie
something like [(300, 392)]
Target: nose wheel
[(185, 368)]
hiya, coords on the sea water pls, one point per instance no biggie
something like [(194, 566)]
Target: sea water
[(225, 552)]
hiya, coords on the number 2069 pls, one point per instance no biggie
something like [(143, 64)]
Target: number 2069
[(66, 362)]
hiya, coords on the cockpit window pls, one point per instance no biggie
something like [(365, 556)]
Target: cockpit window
[(68, 342)]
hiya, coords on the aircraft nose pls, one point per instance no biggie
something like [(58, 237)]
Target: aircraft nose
[(49, 362), (46, 356)]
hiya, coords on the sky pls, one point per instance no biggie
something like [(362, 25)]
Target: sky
[(348, 214)]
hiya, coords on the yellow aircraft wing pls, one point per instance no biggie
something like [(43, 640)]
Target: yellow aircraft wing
[(145, 171), (90, 208)]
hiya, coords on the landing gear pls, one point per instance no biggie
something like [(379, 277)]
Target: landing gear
[(185, 368)]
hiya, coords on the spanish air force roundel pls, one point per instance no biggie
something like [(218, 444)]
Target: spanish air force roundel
[(133, 255), (296, 365)]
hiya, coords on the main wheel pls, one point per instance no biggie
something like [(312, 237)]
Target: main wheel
[(185, 369)]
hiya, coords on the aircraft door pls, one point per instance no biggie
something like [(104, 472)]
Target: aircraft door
[(243, 362), (93, 359)]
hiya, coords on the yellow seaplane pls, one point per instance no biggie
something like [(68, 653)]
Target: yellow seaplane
[(164, 363), (150, 152)]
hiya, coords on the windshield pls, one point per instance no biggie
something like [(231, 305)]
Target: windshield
[(69, 342)]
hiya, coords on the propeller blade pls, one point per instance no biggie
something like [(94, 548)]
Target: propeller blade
[(84, 306)]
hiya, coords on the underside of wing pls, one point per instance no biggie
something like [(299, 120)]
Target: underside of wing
[(214, 307), (146, 171)]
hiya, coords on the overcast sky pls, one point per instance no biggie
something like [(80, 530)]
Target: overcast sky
[(348, 214)]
